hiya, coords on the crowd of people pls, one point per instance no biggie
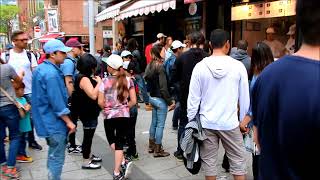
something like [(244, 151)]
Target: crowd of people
[(247, 102)]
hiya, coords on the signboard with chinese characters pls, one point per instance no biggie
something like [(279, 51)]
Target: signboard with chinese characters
[(107, 33), (256, 11), (53, 25), (274, 9)]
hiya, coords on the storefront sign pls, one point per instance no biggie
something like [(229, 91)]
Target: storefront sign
[(193, 9), (53, 25), (107, 34), (37, 32)]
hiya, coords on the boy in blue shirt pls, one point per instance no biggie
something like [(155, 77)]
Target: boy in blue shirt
[(24, 124)]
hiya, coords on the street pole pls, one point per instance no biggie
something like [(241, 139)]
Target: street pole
[(91, 27)]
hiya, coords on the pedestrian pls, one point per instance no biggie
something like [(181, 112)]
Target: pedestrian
[(131, 152), (68, 68), (113, 98), (175, 51), (160, 39), (50, 106), (241, 54), (181, 73), (277, 48), (218, 83), (21, 60), (261, 58), (24, 123), (286, 105), (160, 100), (136, 56), (9, 117), (118, 48), (85, 105)]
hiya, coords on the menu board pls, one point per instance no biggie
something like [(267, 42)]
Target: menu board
[(263, 10)]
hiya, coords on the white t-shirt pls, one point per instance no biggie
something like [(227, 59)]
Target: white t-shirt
[(276, 47), (20, 62)]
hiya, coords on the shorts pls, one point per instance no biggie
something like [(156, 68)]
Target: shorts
[(116, 130), (232, 142)]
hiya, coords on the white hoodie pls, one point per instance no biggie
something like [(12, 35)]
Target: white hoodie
[(217, 84)]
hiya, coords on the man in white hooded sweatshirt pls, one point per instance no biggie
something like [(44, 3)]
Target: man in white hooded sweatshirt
[(218, 84)]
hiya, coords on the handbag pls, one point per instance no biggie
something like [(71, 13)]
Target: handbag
[(20, 107)]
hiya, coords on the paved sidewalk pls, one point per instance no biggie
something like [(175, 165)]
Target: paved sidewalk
[(146, 167)]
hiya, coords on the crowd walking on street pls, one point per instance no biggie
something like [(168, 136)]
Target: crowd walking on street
[(257, 101)]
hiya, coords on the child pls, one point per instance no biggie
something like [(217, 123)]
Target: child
[(131, 152), (24, 124)]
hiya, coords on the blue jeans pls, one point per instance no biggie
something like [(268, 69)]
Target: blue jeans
[(9, 117), (23, 143), (57, 144), (159, 116), (176, 115), (142, 87), (31, 138)]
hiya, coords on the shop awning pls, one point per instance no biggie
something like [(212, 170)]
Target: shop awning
[(48, 37), (110, 12), (144, 7)]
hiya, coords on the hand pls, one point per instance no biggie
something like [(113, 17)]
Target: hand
[(97, 79), (27, 107), (243, 128), (172, 106), (71, 127)]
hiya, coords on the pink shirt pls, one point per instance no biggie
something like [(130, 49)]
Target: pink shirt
[(113, 108)]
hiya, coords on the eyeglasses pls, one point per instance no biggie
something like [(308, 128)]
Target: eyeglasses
[(21, 39)]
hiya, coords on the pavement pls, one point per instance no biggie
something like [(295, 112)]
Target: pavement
[(147, 167)]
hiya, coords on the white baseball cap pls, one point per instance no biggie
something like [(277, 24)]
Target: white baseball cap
[(177, 44), (125, 53), (160, 35), (114, 61), (270, 30)]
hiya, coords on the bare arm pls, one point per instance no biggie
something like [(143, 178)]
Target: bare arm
[(91, 91), (101, 100), (69, 84), (69, 123)]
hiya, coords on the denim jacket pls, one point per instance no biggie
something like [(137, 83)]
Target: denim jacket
[(49, 100)]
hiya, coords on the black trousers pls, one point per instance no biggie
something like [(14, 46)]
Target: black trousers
[(87, 142), (131, 134), (116, 130)]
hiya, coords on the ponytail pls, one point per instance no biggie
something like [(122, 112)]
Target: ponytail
[(122, 85)]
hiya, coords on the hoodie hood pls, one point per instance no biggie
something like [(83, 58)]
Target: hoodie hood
[(239, 54), (217, 66)]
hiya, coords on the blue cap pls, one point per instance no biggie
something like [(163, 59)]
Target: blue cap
[(55, 45), (9, 46)]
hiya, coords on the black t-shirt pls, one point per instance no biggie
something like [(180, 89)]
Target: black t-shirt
[(286, 110)]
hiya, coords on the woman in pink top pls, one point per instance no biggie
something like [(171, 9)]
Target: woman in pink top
[(113, 95)]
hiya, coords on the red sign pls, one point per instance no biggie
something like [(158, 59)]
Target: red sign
[(191, 1)]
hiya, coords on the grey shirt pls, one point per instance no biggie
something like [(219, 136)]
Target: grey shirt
[(7, 73)]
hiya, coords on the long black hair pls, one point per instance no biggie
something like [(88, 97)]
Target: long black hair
[(86, 64), (261, 57)]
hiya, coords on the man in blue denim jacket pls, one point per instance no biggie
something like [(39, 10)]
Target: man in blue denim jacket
[(49, 106)]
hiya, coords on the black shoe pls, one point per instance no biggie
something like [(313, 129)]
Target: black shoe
[(76, 151), (91, 165), (118, 177), (126, 168), (178, 155), (35, 146), (95, 158)]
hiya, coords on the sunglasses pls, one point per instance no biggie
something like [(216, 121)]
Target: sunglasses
[(21, 39)]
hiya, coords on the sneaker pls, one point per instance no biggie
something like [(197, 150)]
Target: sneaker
[(76, 151), (12, 173), (35, 146), (24, 159), (118, 177), (91, 165), (95, 158), (126, 168), (148, 107), (178, 155)]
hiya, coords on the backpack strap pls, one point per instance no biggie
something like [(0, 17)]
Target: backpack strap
[(7, 57)]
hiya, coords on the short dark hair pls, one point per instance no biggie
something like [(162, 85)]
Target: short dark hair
[(132, 44), (86, 64), (196, 38), (19, 85), (261, 57), (243, 44), (15, 34), (308, 19), (218, 38), (47, 56)]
